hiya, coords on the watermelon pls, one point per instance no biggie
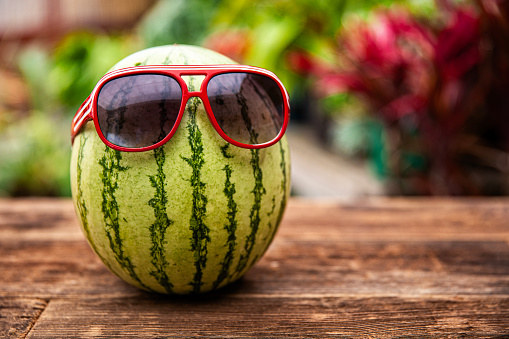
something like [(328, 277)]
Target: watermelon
[(188, 217)]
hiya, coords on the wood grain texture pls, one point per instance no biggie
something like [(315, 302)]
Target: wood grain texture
[(382, 268), (18, 315)]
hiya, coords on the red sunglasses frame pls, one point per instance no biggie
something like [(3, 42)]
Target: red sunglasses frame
[(88, 110)]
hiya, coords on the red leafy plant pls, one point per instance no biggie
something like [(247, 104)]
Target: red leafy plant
[(440, 88)]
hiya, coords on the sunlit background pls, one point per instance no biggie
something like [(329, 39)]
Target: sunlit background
[(388, 97)]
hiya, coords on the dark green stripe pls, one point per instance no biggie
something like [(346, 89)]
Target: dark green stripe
[(161, 224), (284, 182), (273, 206), (158, 203), (224, 151), (282, 204), (231, 228), (254, 216), (110, 162), (200, 231), (258, 190), (80, 200), (282, 164)]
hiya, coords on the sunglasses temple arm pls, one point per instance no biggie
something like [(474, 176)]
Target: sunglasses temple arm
[(83, 115)]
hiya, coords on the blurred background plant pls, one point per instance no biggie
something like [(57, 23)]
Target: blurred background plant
[(431, 94), (414, 87), (34, 141)]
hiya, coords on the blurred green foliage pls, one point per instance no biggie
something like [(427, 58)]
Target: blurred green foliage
[(35, 156), (35, 149), (177, 21), (81, 59), (35, 145)]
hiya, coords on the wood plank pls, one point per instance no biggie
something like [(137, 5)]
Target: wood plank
[(383, 269), (410, 219), (246, 316), (55, 268), (38, 220), (18, 315)]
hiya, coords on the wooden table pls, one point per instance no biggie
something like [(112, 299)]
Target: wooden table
[(381, 268)]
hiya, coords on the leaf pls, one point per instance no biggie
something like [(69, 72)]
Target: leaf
[(271, 39)]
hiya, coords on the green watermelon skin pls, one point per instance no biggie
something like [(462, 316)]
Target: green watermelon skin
[(189, 217)]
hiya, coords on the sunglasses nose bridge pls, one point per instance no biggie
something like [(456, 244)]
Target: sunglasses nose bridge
[(195, 94), (193, 82)]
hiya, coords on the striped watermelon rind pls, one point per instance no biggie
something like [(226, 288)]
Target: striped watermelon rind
[(191, 216)]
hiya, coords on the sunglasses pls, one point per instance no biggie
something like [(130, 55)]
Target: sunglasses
[(139, 108)]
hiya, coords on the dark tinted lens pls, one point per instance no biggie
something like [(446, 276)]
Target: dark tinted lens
[(138, 110), (248, 107)]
